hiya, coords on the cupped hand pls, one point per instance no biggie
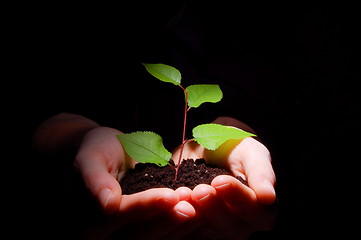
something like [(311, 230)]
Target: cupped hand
[(230, 209), (226, 208), (102, 161)]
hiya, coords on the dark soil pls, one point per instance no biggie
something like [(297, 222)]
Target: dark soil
[(191, 173)]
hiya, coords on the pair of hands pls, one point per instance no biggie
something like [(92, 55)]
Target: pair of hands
[(225, 209)]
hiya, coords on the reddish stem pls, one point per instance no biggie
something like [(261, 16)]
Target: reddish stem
[(184, 141), (172, 166)]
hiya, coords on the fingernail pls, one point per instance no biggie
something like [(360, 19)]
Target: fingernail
[(105, 196), (268, 186), (222, 186), (204, 197), (182, 214), (167, 202)]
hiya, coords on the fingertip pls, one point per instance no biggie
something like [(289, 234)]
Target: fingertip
[(159, 198), (202, 192), (222, 182), (229, 187), (184, 211), (104, 197), (148, 202), (266, 193), (184, 193), (109, 200), (167, 196)]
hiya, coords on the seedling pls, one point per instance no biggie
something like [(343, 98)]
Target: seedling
[(147, 147)]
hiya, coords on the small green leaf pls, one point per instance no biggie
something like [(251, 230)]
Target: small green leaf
[(164, 72), (201, 93), (145, 147), (212, 135)]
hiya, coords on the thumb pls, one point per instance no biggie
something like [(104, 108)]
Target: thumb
[(103, 186), (99, 159), (259, 171), (263, 187)]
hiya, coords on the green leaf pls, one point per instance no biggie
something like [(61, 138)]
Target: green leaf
[(145, 147), (212, 135), (164, 72), (201, 93)]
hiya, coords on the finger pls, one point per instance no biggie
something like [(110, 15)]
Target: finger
[(148, 202), (145, 209), (183, 211), (243, 201), (217, 213), (99, 160), (160, 226), (184, 193), (238, 197), (158, 223), (186, 230), (258, 169), (166, 224), (103, 186), (190, 223)]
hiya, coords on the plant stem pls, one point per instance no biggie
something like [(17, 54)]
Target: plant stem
[(184, 141)]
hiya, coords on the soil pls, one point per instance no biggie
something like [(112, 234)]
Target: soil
[(191, 173)]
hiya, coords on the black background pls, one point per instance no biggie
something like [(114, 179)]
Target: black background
[(289, 70)]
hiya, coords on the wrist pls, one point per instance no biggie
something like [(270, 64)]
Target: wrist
[(63, 131)]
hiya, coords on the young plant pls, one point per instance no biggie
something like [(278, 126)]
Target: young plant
[(147, 147)]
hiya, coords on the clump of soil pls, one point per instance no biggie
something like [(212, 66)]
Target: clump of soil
[(191, 173)]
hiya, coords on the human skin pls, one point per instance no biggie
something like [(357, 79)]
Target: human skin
[(229, 208), (226, 208)]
